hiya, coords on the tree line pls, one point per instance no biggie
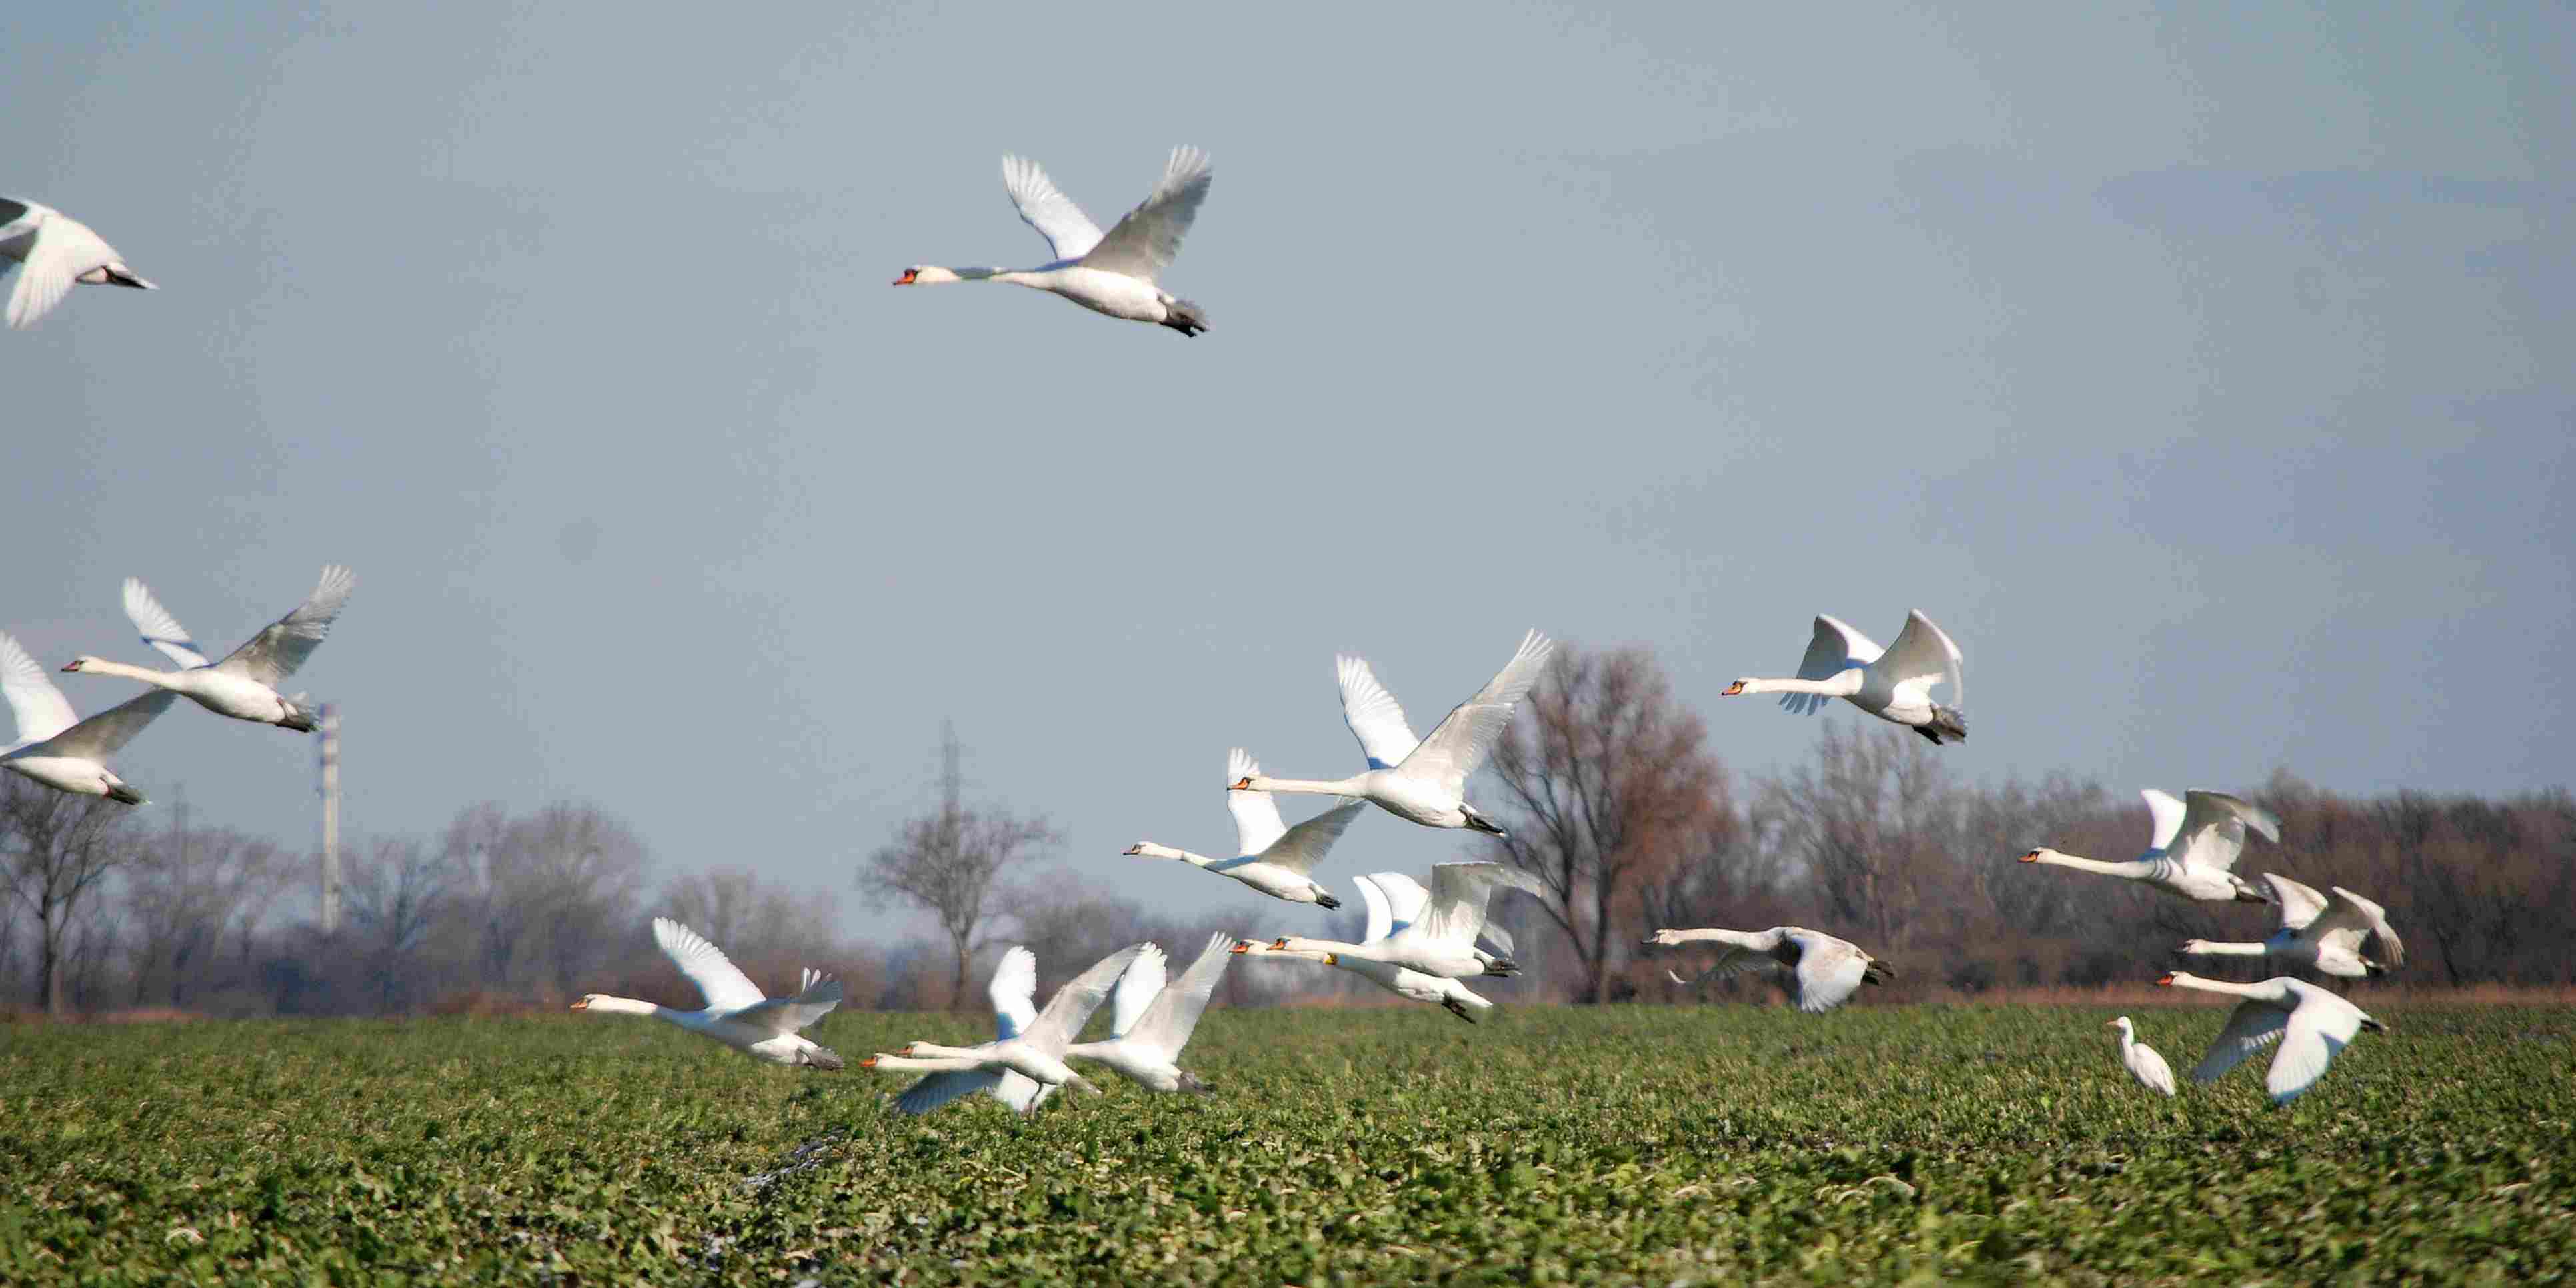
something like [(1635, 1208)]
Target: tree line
[(1606, 784)]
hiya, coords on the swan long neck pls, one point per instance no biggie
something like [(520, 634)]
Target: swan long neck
[(1147, 849), (2206, 948), (2222, 986), (101, 666), (1737, 938), (630, 1006), (2134, 869), (914, 1064), (1841, 684), (1312, 786), (1322, 948)]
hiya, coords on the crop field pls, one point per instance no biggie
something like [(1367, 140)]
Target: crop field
[(1666, 1145)]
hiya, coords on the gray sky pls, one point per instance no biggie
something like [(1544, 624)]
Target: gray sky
[(2204, 371)]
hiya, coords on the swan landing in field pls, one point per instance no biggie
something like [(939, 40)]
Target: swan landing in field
[(244, 684), (57, 251), (2311, 1024), (736, 1014), (1822, 972), (1892, 683), (1110, 272), (58, 748), (2193, 850)]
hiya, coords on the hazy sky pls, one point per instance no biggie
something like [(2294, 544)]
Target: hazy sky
[(2204, 370)]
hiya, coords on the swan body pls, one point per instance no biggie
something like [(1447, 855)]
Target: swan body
[(736, 1013), (1893, 683), (1150, 1021), (244, 684), (1028, 1044), (1402, 982), (1113, 272), (1821, 972), (1440, 939), (2311, 1024), (1421, 780), (2193, 850), (1270, 856), (2322, 934), (2141, 1060), (56, 252), (58, 748)]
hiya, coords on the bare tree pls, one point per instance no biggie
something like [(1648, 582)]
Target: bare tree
[(948, 862), (545, 894), (395, 897), (60, 848), (1609, 788), (188, 893)]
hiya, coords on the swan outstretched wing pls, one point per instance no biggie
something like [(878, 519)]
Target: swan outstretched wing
[(1921, 657), (1829, 970), (275, 653), (1306, 844), (791, 1014), (1074, 1003), (1136, 990), (102, 735), (936, 1089), (160, 630), (1020, 1091), (1457, 748), (2300, 904), (2350, 914), (1043, 206), (1455, 913), (2252, 1026), (1256, 814), (2319, 1030), (1381, 912), (1386, 737), (721, 982), (1143, 244), (1014, 991), (1168, 1023), (1404, 900), (1835, 648), (62, 249), (40, 707), (2212, 832)]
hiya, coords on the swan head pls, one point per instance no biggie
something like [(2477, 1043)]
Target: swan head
[(82, 661), (926, 275), (2036, 855), (2171, 978), (1736, 689), (1666, 938), (1243, 784), (586, 1000)]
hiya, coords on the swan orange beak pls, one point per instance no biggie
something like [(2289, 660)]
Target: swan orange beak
[(1279, 945), (1242, 946), (1733, 689), (582, 1005), (1243, 784), (869, 1063), (71, 666), (2165, 980), (906, 279), (2032, 857)]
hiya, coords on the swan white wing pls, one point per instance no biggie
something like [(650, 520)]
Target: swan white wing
[(1168, 1023), (1836, 648), (1014, 991), (1074, 1003), (2249, 1028), (62, 250), (2150, 1068), (2165, 813), (2350, 913), (1458, 746), (1736, 960), (1386, 737), (1020, 1091), (102, 735), (18, 218), (721, 982), (275, 653), (1405, 898), (1256, 814), (1143, 244), (2300, 904), (2213, 829), (936, 1089), (2319, 1030), (1459, 892), (1921, 657), (40, 707), (1829, 970), (1381, 914), (1494, 934), (1069, 232), (160, 630), (791, 1014), (1305, 845), (1136, 990)]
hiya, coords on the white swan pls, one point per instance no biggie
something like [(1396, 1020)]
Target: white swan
[(1028, 1043), (1821, 972), (1894, 683), (1386, 975), (1270, 856), (2311, 1024), (736, 1013), (244, 684), (2195, 845), (2141, 1060), (2319, 933), (1395, 899), (58, 748), (1110, 272), (55, 251), (1150, 1021), (1422, 780), (1441, 939)]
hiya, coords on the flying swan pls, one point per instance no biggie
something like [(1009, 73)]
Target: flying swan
[(58, 748), (736, 1014), (1029, 1044), (2141, 1060), (1820, 971), (1271, 856), (2195, 845), (1111, 272), (2310, 1023), (1440, 939), (55, 251), (1422, 780), (1150, 1021), (2321, 934), (244, 684), (1386, 975), (1894, 683)]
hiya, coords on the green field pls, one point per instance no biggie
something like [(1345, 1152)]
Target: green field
[(1998, 1144)]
